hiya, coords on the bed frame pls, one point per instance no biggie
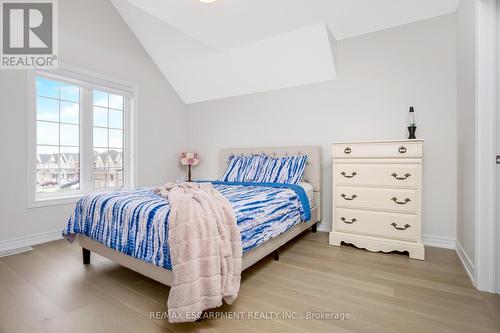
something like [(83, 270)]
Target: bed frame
[(312, 175)]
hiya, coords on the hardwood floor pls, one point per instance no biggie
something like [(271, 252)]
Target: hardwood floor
[(49, 290)]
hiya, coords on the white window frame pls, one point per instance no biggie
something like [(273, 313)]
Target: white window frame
[(88, 81)]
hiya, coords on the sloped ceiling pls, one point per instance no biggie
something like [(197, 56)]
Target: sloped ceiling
[(232, 47)]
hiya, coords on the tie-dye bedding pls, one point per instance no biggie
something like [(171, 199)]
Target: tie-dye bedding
[(136, 222)]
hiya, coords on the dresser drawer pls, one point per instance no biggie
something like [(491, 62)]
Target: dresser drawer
[(399, 200), (391, 225), (403, 149), (406, 175)]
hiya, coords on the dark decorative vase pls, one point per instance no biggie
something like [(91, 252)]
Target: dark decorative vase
[(412, 127), (189, 173), (412, 130)]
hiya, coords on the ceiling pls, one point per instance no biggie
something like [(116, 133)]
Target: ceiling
[(229, 23), (232, 47), (300, 57)]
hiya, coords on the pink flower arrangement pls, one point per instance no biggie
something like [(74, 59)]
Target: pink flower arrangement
[(191, 159)]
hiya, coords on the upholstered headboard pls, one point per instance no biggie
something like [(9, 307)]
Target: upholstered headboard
[(312, 173)]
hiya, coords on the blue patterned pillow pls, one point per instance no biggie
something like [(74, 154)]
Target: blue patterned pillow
[(288, 169), (243, 168)]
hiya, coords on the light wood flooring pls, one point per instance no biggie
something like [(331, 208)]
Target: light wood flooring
[(49, 290)]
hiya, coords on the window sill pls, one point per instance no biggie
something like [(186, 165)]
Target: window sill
[(54, 201), (72, 198)]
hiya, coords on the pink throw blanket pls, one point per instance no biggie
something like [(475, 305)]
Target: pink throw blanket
[(205, 249)]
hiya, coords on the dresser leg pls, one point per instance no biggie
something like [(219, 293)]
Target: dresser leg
[(85, 256), (334, 239), (314, 227), (417, 253)]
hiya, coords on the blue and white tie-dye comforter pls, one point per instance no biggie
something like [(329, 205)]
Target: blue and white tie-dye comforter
[(136, 222)]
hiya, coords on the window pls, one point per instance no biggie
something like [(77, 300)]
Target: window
[(108, 139), (57, 136), (80, 138)]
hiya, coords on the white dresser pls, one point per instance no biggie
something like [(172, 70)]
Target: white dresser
[(377, 195)]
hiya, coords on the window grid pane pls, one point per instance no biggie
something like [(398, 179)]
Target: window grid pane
[(69, 167), (100, 116), (107, 139), (115, 119), (69, 112), (58, 151), (47, 168), (47, 109)]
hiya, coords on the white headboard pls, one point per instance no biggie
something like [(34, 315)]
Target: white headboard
[(312, 173)]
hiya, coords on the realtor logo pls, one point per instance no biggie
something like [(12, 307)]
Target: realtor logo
[(29, 34)]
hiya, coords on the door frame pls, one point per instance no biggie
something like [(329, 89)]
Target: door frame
[(486, 107), (497, 193)]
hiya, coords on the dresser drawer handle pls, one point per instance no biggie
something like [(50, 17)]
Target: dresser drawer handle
[(347, 150), (395, 175), (402, 149), (395, 225), (348, 222), (400, 202), (348, 176), (354, 196)]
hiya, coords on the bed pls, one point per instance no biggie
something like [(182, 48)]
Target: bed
[(254, 252)]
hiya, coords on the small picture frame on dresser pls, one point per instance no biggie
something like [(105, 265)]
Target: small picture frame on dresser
[(377, 195)]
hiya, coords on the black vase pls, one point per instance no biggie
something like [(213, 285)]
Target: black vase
[(412, 130)]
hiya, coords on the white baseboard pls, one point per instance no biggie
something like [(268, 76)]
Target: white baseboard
[(466, 262), (439, 241), (15, 251), (23, 244), (324, 227)]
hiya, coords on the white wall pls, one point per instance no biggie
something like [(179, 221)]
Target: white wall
[(466, 126), (92, 36), (379, 76)]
